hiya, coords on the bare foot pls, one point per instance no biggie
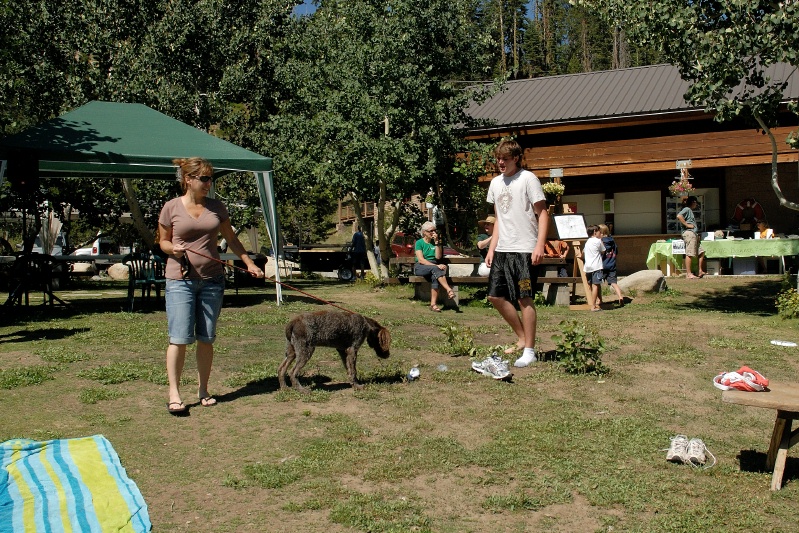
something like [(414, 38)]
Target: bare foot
[(519, 346)]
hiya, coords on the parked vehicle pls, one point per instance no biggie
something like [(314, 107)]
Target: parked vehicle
[(402, 245), (58, 248), (102, 245)]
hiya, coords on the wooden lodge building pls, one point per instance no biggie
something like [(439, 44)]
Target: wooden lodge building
[(621, 135)]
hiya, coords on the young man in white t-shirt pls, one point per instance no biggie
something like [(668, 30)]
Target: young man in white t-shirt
[(517, 246)]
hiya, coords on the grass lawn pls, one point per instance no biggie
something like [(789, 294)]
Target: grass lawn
[(451, 452)]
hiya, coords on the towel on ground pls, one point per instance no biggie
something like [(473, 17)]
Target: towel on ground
[(75, 485)]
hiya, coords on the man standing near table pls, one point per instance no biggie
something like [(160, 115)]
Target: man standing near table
[(691, 237), (517, 246)]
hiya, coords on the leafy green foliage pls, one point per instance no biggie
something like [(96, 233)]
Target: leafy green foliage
[(459, 340), (384, 64), (579, 350), (199, 62), (717, 45), (723, 49), (788, 303)]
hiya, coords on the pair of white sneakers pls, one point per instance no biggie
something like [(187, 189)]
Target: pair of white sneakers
[(691, 452)]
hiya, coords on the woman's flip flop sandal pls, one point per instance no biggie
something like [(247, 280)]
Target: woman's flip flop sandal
[(181, 408), (435, 308), (208, 401)]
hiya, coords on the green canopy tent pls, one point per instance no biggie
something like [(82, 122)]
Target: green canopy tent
[(110, 139)]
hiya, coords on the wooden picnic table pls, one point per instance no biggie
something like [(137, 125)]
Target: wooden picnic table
[(785, 399), (548, 278)]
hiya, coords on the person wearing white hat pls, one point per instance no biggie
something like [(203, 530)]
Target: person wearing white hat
[(483, 241)]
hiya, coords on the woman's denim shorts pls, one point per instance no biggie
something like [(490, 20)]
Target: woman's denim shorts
[(192, 308)]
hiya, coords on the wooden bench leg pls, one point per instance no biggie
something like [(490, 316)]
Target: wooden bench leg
[(421, 291), (776, 441), (781, 440)]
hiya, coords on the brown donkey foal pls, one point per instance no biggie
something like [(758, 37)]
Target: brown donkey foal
[(341, 330)]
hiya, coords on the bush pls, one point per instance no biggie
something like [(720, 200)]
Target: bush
[(788, 304), (579, 350), (460, 341)]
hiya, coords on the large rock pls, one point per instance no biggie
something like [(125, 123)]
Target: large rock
[(118, 271), (84, 268), (644, 280)]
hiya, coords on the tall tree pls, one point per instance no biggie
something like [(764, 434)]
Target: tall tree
[(197, 61), (723, 48), (375, 114)]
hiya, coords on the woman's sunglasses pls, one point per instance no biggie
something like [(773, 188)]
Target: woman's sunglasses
[(204, 179)]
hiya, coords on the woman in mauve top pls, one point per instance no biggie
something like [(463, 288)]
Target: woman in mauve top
[(195, 284)]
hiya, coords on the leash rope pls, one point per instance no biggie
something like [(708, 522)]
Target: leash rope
[(227, 265)]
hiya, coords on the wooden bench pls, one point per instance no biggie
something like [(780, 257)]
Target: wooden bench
[(785, 400), (555, 288)]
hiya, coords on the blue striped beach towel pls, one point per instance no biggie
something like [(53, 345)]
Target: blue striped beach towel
[(72, 485)]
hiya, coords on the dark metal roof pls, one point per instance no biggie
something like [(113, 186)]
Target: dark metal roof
[(591, 96)]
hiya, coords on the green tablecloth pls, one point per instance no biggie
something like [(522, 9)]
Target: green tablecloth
[(660, 251)]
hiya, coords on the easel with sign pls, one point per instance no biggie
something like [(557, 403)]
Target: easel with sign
[(571, 227)]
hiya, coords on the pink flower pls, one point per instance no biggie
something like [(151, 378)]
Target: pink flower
[(681, 187)]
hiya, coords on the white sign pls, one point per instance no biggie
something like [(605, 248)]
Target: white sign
[(570, 226), (678, 247)]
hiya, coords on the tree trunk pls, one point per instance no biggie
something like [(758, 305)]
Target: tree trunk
[(546, 19), (587, 67), (135, 212), (515, 47), (504, 65), (385, 254), (774, 175), (370, 247)]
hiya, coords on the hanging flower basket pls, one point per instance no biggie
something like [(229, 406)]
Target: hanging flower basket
[(681, 187), (553, 191)]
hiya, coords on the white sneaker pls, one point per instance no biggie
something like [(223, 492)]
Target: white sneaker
[(695, 452), (526, 359), (678, 451), (493, 367)]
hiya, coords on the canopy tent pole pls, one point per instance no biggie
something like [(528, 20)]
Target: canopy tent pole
[(266, 192)]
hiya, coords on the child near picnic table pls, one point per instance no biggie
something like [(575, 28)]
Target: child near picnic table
[(594, 250), (609, 263)]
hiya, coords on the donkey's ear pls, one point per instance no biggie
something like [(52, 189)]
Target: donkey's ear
[(384, 337)]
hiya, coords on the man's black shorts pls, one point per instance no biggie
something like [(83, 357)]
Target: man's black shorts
[(513, 276)]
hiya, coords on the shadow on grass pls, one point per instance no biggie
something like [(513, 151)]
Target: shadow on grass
[(40, 334), (253, 388), (756, 298), (20, 314), (323, 382), (317, 381), (754, 461)]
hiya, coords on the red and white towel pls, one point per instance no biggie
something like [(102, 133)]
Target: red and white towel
[(744, 379)]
